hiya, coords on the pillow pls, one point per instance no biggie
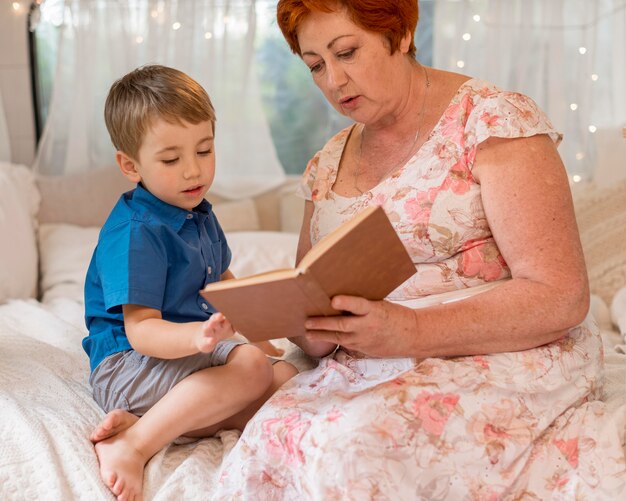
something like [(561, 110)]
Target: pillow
[(19, 202), (601, 217), (238, 215), (65, 252), (86, 199), (258, 251), (83, 198)]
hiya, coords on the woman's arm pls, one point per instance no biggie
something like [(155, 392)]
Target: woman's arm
[(312, 348), (528, 206)]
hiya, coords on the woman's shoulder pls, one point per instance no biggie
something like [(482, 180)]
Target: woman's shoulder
[(492, 111)]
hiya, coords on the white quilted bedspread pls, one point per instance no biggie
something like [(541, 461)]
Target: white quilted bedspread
[(47, 413)]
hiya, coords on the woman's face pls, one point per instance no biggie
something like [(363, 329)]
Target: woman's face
[(353, 67)]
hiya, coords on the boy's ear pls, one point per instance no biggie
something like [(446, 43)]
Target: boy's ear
[(127, 166)]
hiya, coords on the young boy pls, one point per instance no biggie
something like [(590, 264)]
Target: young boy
[(156, 348)]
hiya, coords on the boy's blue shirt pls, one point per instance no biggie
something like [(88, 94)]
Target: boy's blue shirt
[(151, 254)]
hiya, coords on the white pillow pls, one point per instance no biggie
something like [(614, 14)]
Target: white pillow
[(258, 251), (237, 215), (19, 203), (66, 250)]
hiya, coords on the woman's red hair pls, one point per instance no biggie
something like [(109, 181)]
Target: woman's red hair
[(390, 18)]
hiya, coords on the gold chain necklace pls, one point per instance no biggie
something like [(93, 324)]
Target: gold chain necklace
[(408, 155)]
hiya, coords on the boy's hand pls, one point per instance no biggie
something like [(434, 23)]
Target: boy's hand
[(215, 329)]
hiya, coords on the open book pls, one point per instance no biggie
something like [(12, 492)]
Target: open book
[(362, 257)]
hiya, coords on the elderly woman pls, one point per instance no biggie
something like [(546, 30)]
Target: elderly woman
[(479, 376)]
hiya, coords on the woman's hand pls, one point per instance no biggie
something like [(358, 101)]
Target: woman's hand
[(374, 328)]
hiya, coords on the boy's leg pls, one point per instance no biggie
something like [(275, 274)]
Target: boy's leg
[(114, 422), (118, 420), (200, 400), (283, 371)]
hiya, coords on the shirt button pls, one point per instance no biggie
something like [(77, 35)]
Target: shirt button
[(205, 306), (189, 216), (209, 270)]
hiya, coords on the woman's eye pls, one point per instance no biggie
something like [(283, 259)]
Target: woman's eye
[(316, 68), (204, 152), (346, 54), (169, 161)]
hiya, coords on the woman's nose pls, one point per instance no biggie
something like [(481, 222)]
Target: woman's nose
[(336, 77)]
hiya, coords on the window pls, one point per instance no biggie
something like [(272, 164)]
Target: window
[(299, 117)]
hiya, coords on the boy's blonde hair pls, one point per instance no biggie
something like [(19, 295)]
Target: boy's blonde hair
[(148, 93)]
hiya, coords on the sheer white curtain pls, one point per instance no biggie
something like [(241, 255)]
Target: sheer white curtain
[(5, 144), (568, 55), (212, 41)]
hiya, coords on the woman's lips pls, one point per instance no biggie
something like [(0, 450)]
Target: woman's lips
[(350, 102)]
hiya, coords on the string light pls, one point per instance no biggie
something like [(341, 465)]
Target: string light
[(176, 26), (573, 106), (208, 35), (139, 39), (16, 6)]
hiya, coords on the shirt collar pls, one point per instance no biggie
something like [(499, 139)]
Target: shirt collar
[(171, 215)]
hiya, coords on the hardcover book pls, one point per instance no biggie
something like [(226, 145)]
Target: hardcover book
[(362, 257)]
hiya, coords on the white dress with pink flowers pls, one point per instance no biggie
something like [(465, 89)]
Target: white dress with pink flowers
[(524, 425)]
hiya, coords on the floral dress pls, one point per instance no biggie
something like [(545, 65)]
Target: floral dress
[(524, 425)]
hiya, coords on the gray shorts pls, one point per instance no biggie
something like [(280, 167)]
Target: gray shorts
[(131, 381)]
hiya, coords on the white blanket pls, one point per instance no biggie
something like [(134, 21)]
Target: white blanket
[(47, 413)]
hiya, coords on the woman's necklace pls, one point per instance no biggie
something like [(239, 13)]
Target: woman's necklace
[(409, 153)]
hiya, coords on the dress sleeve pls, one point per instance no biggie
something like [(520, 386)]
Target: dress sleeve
[(507, 115), (305, 188)]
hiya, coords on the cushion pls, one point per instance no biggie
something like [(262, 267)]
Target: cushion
[(237, 215), (19, 202), (258, 251), (86, 198), (83, 199), (601, 217), (65, 252)]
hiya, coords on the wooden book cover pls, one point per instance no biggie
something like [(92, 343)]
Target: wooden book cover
[(363, 257)]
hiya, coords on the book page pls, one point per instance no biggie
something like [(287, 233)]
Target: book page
[(267, 276)]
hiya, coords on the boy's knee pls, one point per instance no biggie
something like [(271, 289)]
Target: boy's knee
[(254, 367)]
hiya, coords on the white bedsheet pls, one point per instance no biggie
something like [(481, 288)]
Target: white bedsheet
[(47, 413)]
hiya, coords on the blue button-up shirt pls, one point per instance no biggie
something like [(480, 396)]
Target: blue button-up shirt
[(152, 254)]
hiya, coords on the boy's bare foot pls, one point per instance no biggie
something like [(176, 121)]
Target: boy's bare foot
[(121, 467), (113, 423)]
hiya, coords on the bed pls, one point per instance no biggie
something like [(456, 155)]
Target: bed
[(49, 227)]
